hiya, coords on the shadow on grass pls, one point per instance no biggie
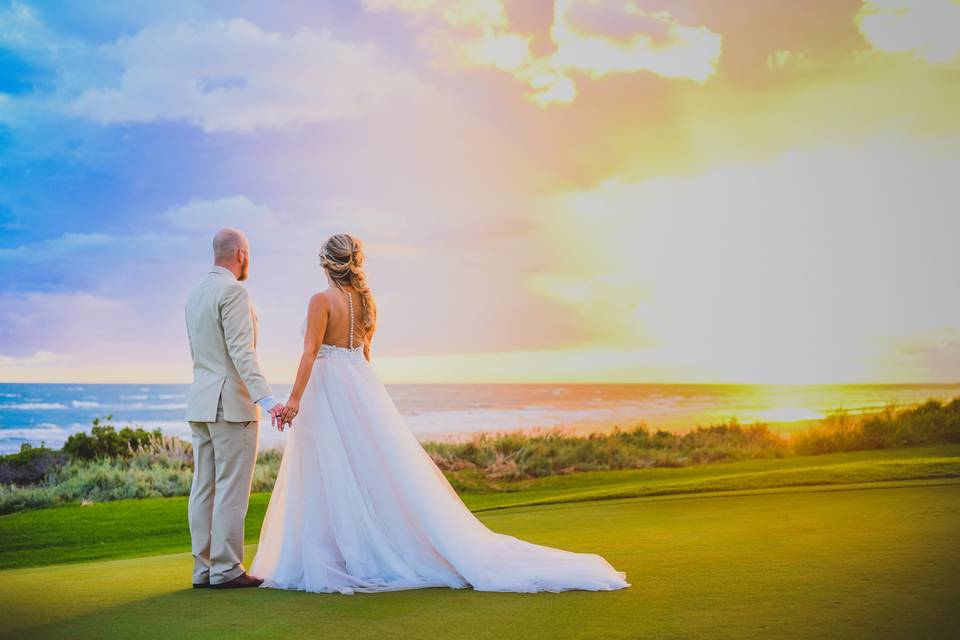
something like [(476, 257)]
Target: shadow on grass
[(266, 613)]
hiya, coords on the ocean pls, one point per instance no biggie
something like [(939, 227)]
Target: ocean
[(49, 413)]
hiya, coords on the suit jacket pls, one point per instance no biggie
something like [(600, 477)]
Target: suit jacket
[(222, 329)]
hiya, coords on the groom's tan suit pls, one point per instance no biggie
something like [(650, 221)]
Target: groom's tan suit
[(223, 416)]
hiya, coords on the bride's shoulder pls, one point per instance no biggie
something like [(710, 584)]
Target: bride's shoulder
[(319, 302)]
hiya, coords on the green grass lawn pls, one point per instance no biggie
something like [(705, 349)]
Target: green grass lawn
[(857, 563), (838, 546)]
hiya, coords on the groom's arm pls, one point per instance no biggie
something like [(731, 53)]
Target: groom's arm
[(267, 403), (235, 314)]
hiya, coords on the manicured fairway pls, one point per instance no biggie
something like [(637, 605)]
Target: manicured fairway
[(877, 561)]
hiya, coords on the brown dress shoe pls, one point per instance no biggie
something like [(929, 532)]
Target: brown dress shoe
[(242, 581)]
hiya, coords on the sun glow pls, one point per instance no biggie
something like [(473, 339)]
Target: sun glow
[(787, 414), (758, 273)]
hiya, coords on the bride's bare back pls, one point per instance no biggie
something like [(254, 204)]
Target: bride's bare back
[(337, 331), (329, 320)]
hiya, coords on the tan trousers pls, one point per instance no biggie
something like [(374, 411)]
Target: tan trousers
[(224, 455)]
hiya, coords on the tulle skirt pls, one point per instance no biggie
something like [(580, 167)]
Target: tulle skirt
[(359, 506)]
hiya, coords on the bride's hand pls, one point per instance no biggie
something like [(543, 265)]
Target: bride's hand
[(290, 412)]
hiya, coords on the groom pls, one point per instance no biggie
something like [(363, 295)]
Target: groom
[(223, 411)]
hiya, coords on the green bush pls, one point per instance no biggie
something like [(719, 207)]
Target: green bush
[(156, 466), (104, 441), (30, 465), (932, 422), (516, 455), (148, 473)]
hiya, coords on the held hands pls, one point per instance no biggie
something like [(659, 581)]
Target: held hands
[(276, 416), (281, 416), (289, 412)]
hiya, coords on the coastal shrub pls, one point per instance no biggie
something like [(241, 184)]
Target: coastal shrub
[(162, 468), (265, 471), (932, 422), (14, 498), (731, 441), (104, 441), (132, 463), (543, 453), (163, 450), (30, 465)]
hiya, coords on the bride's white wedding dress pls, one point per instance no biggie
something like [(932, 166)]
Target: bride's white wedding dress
[(358, 505)]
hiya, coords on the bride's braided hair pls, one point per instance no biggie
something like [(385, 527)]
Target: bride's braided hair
[(342, 256)]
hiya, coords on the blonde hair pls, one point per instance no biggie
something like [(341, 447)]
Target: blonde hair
[(342, 257)]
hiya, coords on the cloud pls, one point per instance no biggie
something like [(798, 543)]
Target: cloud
[(92, 261), (592, 37), (39, 64), (68, 336), (929, 29), (657, 42), (234, 211), (55, 248), (234, 76), (71, 244), (38, 358), (22, 31)]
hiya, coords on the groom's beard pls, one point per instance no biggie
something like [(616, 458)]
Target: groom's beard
[(244, 269)]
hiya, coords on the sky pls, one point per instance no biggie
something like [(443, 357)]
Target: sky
[(750, 191)]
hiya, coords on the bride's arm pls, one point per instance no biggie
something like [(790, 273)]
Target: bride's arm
[(317, 314)]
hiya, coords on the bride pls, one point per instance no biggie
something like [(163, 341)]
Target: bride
[(358, 505)]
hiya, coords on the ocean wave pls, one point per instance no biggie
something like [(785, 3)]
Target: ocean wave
[(50, 435), (146, 406), (142, 396), (33, 406), (35, 431), (128, 406), (462, 421)]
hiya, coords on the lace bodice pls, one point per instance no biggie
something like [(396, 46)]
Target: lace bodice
[(333, 351)]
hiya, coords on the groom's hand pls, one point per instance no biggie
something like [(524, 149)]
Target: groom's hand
[(276, 415)]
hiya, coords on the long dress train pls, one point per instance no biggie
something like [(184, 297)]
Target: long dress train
[(359, 506)]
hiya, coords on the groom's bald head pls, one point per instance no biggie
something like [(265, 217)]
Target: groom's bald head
[(232, 251), (226, 243)]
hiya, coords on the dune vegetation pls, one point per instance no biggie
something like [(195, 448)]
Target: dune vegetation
[(110, 464)]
